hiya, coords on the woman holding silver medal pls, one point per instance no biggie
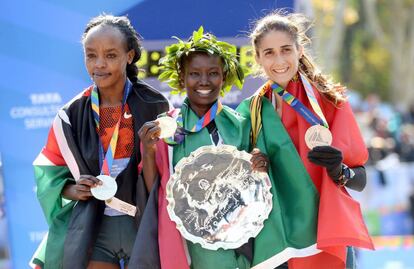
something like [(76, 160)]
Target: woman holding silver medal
[(92, 154), (322, 127), (204, 68)]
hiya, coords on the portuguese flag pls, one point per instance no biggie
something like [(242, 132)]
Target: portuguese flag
[(340, 221), (290, 231)]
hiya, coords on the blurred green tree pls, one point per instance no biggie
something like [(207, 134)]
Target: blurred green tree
[(368, 45)]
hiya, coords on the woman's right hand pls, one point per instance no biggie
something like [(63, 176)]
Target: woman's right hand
[(81, 191), (149, 135), (260, 162)]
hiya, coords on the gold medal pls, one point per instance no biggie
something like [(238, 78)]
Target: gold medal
[(318, 135)]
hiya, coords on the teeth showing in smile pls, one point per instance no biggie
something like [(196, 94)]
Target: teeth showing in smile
[(279, 71), (204, 92)]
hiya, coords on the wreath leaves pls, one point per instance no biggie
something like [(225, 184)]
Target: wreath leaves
[(200, 42)]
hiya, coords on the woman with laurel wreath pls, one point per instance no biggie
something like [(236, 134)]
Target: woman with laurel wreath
[(314, 110), (205, 68)]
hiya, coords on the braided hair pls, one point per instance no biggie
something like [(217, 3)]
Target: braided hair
[(132, 38)]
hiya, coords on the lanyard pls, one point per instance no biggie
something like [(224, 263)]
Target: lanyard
[(181, 132), (301, 108), (105, 160)]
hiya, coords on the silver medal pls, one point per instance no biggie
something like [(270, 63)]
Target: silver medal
[(168, 126), (318, 135), (105, 191)]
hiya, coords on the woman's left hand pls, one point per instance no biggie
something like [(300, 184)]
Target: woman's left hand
[(328, 157), (260, 162)]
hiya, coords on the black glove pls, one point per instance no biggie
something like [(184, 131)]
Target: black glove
[(328, 157)]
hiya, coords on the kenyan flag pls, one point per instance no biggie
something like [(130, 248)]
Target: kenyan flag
[(52, 171)]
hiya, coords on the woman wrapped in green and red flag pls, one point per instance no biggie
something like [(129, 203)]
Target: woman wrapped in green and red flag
[(93, 135), (205, 67), (313, 110)]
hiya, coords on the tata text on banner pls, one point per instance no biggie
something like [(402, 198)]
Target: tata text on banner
[(42, 68)]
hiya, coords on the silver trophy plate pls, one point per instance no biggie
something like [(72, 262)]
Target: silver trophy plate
[(216, 199)]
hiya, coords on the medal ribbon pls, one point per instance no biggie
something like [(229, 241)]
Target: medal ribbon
[(106, 160), (301, 108), (181, 132)]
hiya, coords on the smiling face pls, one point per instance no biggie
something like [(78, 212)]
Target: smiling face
[(203, 78), (106, 56), (279, 56)]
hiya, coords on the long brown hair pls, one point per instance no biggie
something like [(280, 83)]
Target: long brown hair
[(296, 25)]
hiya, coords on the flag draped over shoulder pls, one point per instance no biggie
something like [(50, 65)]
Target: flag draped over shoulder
[(290, 230), (72, 150), (52, 173), (293, 221), (340, 221)]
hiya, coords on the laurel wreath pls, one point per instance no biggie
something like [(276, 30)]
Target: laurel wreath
[(200, 42)]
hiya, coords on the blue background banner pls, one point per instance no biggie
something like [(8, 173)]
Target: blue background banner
[(42, 68)]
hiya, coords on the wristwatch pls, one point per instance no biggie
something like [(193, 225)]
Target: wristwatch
[(346, 175)]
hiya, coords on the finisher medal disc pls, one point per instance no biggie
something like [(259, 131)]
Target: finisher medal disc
[(318, 135), (168, 126), (105, 191)]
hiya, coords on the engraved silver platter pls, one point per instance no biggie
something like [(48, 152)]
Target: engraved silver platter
[(216, 199)]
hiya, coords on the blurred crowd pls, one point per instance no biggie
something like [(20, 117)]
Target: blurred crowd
[(388, 130)]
